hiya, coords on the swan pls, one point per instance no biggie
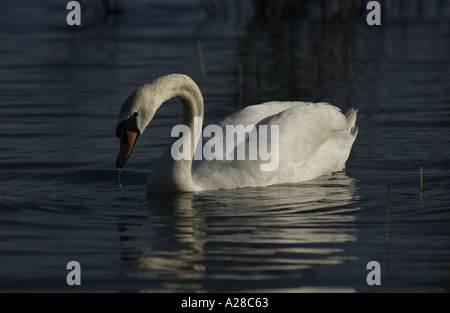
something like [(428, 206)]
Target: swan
[(313, 139)]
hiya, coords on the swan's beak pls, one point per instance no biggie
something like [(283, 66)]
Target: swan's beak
[(127, 140)]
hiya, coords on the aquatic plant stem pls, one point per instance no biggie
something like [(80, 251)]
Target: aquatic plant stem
[(240, 77), (421, 179), (202, 65), (388, 211)]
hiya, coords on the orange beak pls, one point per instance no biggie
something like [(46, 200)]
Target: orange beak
[(127, 140)]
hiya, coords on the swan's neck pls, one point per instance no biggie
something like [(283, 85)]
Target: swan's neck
[(170, 174)]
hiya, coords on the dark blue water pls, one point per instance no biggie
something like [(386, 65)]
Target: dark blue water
[(61, 88)]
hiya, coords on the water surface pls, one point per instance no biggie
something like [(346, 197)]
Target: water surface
[(61, 89)]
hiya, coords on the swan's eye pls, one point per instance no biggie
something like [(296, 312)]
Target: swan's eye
[(135, 114)]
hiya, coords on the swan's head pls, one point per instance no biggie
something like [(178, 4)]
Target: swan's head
[(136, 113)]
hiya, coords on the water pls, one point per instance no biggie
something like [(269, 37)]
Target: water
[(120, 179), (60, 91)]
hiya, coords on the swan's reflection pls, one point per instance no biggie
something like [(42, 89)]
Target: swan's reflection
[(166, 245), (244, 239)]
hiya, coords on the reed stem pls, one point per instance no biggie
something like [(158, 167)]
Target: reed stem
[(388, 211), (240, 77), (421, 179), (202, 64)]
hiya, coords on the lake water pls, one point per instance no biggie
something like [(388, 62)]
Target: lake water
[(61, 88)]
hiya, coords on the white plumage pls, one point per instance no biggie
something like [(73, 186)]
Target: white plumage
[(314, 139)]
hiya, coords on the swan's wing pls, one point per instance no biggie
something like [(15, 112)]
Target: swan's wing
[(322, 142), (312, 140), (303, 126), (254, 114)]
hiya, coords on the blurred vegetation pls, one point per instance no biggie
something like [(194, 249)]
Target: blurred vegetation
[(270, 10), (276, 10)]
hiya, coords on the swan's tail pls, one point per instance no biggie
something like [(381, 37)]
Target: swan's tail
[(351, 121)]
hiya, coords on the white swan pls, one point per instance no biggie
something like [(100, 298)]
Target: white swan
[(314, 139)]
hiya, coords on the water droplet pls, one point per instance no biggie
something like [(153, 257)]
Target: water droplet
[(120, 181)]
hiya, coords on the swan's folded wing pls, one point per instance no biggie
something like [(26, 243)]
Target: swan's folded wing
[(254, 114), (304, 128), (309, 140)]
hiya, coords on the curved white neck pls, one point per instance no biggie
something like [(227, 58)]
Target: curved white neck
[(170, 174)]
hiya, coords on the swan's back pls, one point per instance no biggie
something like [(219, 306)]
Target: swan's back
[(314, 139)]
